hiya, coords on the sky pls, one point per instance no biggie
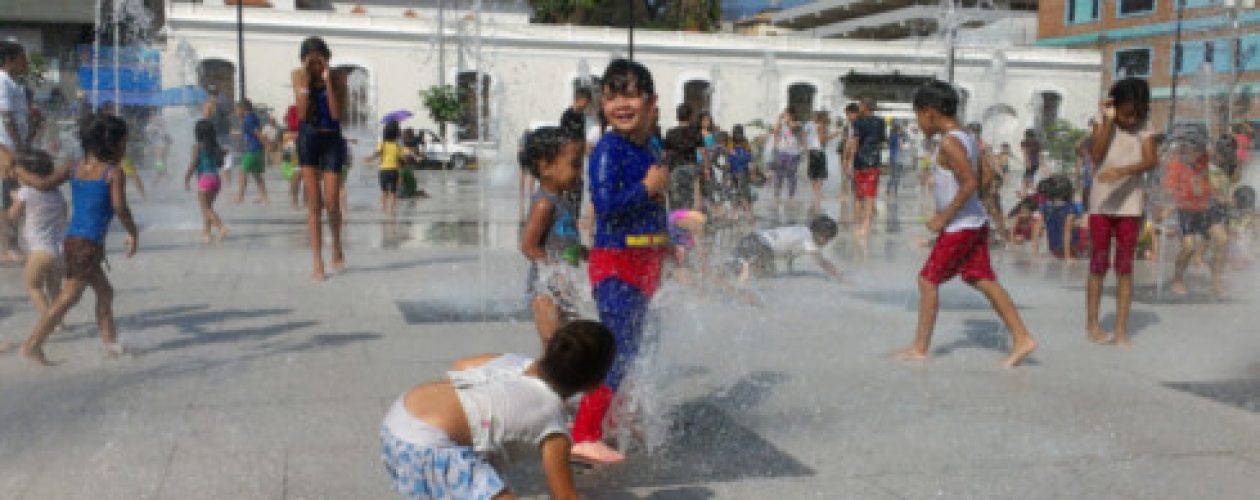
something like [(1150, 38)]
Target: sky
[(734, 9)]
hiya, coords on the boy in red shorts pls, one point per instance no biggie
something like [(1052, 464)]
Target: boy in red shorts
[(868, 137), (1123, 148), (963, 224)]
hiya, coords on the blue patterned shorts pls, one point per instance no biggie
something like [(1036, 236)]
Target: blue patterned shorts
[(438, 473)]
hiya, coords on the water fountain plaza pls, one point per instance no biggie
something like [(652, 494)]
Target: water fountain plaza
[(246, 381)]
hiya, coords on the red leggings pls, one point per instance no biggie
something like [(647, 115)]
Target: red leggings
[(1102, 228)]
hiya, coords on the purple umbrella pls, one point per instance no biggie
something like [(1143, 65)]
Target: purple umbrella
[(396, 116)]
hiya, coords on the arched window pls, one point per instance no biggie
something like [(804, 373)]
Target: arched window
[(358, 106), (697, 95), (218, 75), (476, 99), (801, 100), (1046, 109)]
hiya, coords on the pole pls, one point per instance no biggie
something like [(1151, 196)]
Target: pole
[(442, 42), (95, 96), (240, 46), (117, 73), (951, 35), (632, 22), (1236, 65), (1177, 57)]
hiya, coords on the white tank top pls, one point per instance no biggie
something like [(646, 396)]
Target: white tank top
[(972, 214)]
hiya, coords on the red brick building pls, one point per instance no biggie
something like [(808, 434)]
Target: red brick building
[(1217, 74)]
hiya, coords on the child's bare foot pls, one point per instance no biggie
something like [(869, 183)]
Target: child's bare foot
[(1098, 336), (911, 354), (1178, 288), (113, 350), (5, 346), (596, 452), (318, 275), (1122, 340), (35, 354), (205, 237), (339, 264), (1019, 352), (223, 232)]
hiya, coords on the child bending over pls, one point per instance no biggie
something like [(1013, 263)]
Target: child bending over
[(756, 253)]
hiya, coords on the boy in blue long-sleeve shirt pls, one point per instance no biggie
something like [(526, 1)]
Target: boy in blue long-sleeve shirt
[(631, 237)]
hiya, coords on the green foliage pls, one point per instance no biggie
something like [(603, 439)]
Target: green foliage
[(444, 103), (1061, 141), (704, 15), (37, 70)]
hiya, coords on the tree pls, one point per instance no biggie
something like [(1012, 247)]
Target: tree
[(444, 105), (703, 15), (1061, 141)]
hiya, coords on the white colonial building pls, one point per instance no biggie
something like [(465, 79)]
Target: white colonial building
[(530, 70)]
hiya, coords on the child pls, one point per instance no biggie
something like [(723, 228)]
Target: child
[(288, 158), (98, 190), (390, 154), (1200, 213), (739, 159), (962, 246), (757, 251), (1123, 149), (253, 158), (45, 230), (1242, 226), (1025, 222), (438, 438), (1060, 216), (205, 162), (627, 190), (550, 239)]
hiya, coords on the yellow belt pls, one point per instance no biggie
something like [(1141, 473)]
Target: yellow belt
[(647, 240)]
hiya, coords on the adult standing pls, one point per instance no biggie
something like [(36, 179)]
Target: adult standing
[(682, 143), (869, 135), (787, 154), (15, 135), (319, 92)]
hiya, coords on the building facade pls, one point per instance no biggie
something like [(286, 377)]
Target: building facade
[(1214, 72)]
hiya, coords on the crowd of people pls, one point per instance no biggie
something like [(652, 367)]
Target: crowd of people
[(636, 205)]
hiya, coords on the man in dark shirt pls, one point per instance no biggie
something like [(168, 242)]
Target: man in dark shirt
[(681, 144)]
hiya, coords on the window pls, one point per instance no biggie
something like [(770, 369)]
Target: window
[(801, 100), (1189, 60), (1249, 57), (1201, 3), (696, 95), (358, 107), (1047, 109), (1082, 11), (475, 98), (1133, 62), (1134, 7), (1223, 56)]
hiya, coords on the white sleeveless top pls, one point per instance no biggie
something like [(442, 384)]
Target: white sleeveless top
[(972, 214)]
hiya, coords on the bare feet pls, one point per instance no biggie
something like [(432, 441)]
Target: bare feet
[(318, 275), (205, 237), (1098, 336), (1019, 352), (1122, 340), (35, 354), (113, 350), (339, 264), (596, 452), (223, 232), (1178, 288), (911, 354)]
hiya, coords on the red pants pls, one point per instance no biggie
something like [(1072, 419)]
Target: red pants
[(866, 182), (1102, 228), (963, 252)]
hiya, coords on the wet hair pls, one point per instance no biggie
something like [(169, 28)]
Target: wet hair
[(103, 137), (1245, 198), (869, 102), (582, 93), (683, 112), (937, 95), (822, 116), (823, 228), (1056, 188), (248, 105), (207, 137), (37, 162), (314, 44), (623, 75), (722, 137), (851, 108), (700, 120), (1133, 91), (10, 50), (391, 132), (577, 357), (1027, 203), (543, 146)]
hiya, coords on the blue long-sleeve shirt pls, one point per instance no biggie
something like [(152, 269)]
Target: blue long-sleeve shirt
[(622, 204)]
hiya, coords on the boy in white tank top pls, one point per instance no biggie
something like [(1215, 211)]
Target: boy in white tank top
[(962, 246)]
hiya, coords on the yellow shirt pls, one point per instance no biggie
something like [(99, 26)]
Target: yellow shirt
[(391, 155)]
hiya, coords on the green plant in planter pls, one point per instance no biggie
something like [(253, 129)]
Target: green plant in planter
[(444, 104)]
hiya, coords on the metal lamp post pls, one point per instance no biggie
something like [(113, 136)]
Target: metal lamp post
[(240, 47), (1234, 6), (1177, 54)]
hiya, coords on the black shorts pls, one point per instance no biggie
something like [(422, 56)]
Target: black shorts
[(83, 257), (389, 181), (1192, 222), (322, 149), (817, 165)]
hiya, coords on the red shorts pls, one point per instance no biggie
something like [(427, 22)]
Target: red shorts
[(640, 267), (866, 182), (1102, 228), (963, 252)]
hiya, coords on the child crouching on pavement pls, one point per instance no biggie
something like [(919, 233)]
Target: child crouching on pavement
[(436, 438), (756, 253)]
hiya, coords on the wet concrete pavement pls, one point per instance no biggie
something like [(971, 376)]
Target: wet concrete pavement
[(248, 381)]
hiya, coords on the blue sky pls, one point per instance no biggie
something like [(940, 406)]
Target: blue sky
[(734, 9)]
